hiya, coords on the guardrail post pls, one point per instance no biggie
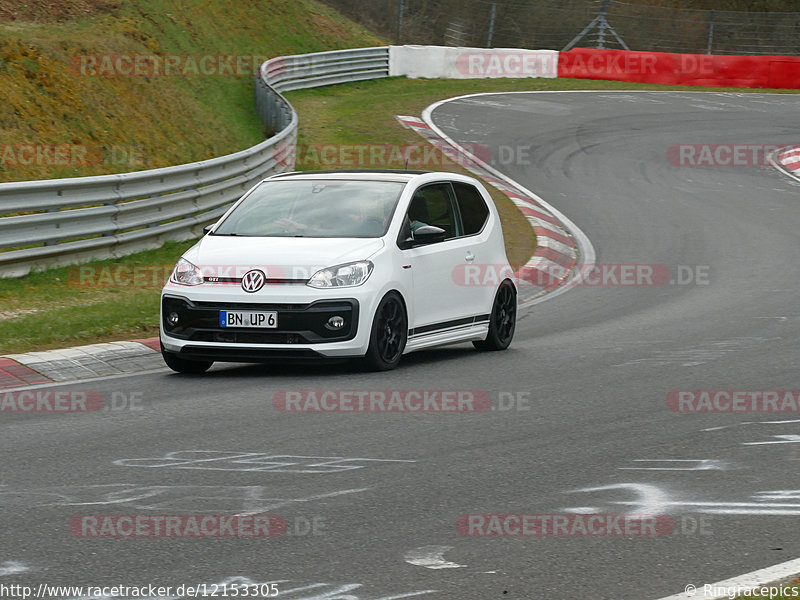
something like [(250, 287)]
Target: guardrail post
[(710, 31), (50, 210), (400, 5), (491, 24), (601, 33)]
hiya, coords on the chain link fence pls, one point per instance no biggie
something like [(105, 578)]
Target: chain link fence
[(563, 24)]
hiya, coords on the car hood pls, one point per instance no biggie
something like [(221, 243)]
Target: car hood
[(289, 257)]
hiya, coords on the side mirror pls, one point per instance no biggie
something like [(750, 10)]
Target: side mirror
[(208, 228), (428, 234)]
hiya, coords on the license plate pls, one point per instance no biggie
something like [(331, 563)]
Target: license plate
[(238, 318)]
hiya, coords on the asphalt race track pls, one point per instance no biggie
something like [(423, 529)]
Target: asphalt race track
[(589, 372)]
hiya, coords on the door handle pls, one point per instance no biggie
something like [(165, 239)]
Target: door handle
[(469, 257)]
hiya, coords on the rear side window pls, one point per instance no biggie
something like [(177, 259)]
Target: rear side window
[(472, 207)]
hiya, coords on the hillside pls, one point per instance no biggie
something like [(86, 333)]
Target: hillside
[(63, 114)]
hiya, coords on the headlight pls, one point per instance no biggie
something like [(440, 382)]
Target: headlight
[(185, 273), (348, 275)]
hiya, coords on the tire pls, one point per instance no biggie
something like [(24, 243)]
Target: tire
[(388, 334), (181, 365), (502, 321)]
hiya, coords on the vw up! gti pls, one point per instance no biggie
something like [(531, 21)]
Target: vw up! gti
[(367, 264)]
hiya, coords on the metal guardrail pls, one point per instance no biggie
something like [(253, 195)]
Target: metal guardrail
[(65, 221)]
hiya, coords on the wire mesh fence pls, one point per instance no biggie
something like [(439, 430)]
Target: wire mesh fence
[(562, 24)]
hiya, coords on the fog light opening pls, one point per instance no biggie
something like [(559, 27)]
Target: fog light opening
[(172, 319), (335, 323)]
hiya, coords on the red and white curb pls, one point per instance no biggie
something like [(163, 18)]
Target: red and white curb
[(80, 362), (16, 374), (558, 252), (787, 160)]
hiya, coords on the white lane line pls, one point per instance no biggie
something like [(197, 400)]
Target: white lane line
[(430, 557), (587, 255), (649, 499), (261, 508), (62, 384), (743, 584), (751, 423), (13, 567), (703, 464)]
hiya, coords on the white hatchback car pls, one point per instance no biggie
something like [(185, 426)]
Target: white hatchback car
[(369, 264)]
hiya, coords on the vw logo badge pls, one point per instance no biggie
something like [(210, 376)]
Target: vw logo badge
[(253, 280)]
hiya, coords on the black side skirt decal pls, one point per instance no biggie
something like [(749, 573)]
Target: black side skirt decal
[(454, 324)]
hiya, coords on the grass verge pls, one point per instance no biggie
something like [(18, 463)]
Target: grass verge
[(792, 590)]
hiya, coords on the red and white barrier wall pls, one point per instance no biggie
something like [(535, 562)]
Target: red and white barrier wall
[(681, 69), (446, 62), (582, 63)]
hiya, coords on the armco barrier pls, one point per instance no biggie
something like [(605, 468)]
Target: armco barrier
[(84, 218), (681, 69)]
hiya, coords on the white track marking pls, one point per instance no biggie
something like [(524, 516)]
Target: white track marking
[(704, 464), (653, 500), (219, 460), (742, 583), (260, 509), (781, 439), (431, 557), (650, 500), (312, 591), (13, 567)]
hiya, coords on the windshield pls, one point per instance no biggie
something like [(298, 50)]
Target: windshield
[(315, 208)]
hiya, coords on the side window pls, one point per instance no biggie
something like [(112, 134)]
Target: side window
[(432, 205), (472, 207)]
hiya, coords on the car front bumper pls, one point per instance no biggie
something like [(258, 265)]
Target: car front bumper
[(301, 332)]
